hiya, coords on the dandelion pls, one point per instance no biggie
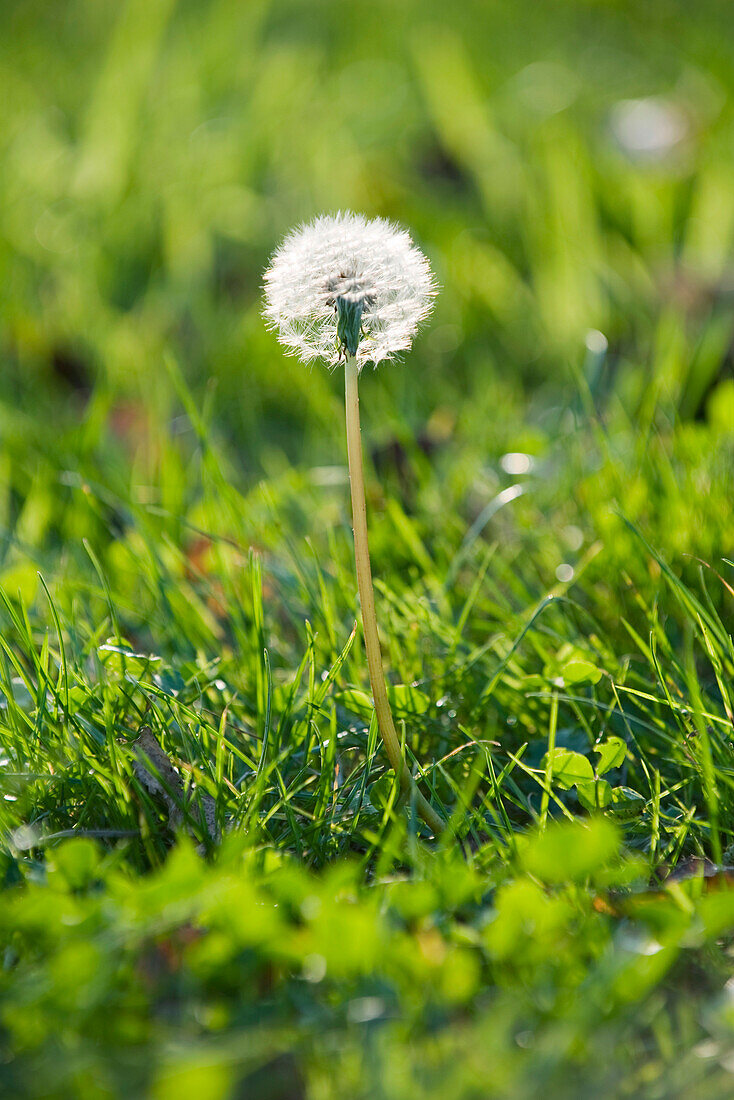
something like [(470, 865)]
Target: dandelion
[(351, 291), (344, 284)]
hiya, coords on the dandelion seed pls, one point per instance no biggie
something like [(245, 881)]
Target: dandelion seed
[(369, 268)]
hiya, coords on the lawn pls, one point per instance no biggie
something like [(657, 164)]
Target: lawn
[(210, 884)]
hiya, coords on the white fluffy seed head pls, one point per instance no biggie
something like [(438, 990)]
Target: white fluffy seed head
[(370, 262)]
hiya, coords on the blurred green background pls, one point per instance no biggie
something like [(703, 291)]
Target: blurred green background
[(567, 166)]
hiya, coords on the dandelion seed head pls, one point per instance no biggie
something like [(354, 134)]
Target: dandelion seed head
[(371, 263)]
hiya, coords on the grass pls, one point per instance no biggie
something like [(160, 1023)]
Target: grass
[(551, 531)]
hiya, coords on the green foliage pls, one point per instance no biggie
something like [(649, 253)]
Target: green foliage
[(219, 979), (254, 912)]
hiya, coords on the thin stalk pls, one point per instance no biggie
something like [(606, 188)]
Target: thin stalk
[(367, 600), (545, 799)]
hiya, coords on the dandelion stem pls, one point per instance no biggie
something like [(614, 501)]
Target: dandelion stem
[(367, 600)]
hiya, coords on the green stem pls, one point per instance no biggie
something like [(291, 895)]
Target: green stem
[(367, 601), (545, 799)]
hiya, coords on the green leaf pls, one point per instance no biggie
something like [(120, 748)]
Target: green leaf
[(357, 702), (612, 753), (119, 658), (627, 803), (595, 794), (569, 768), (571, 850), (170, 682), (580, 672), (406, 699)]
